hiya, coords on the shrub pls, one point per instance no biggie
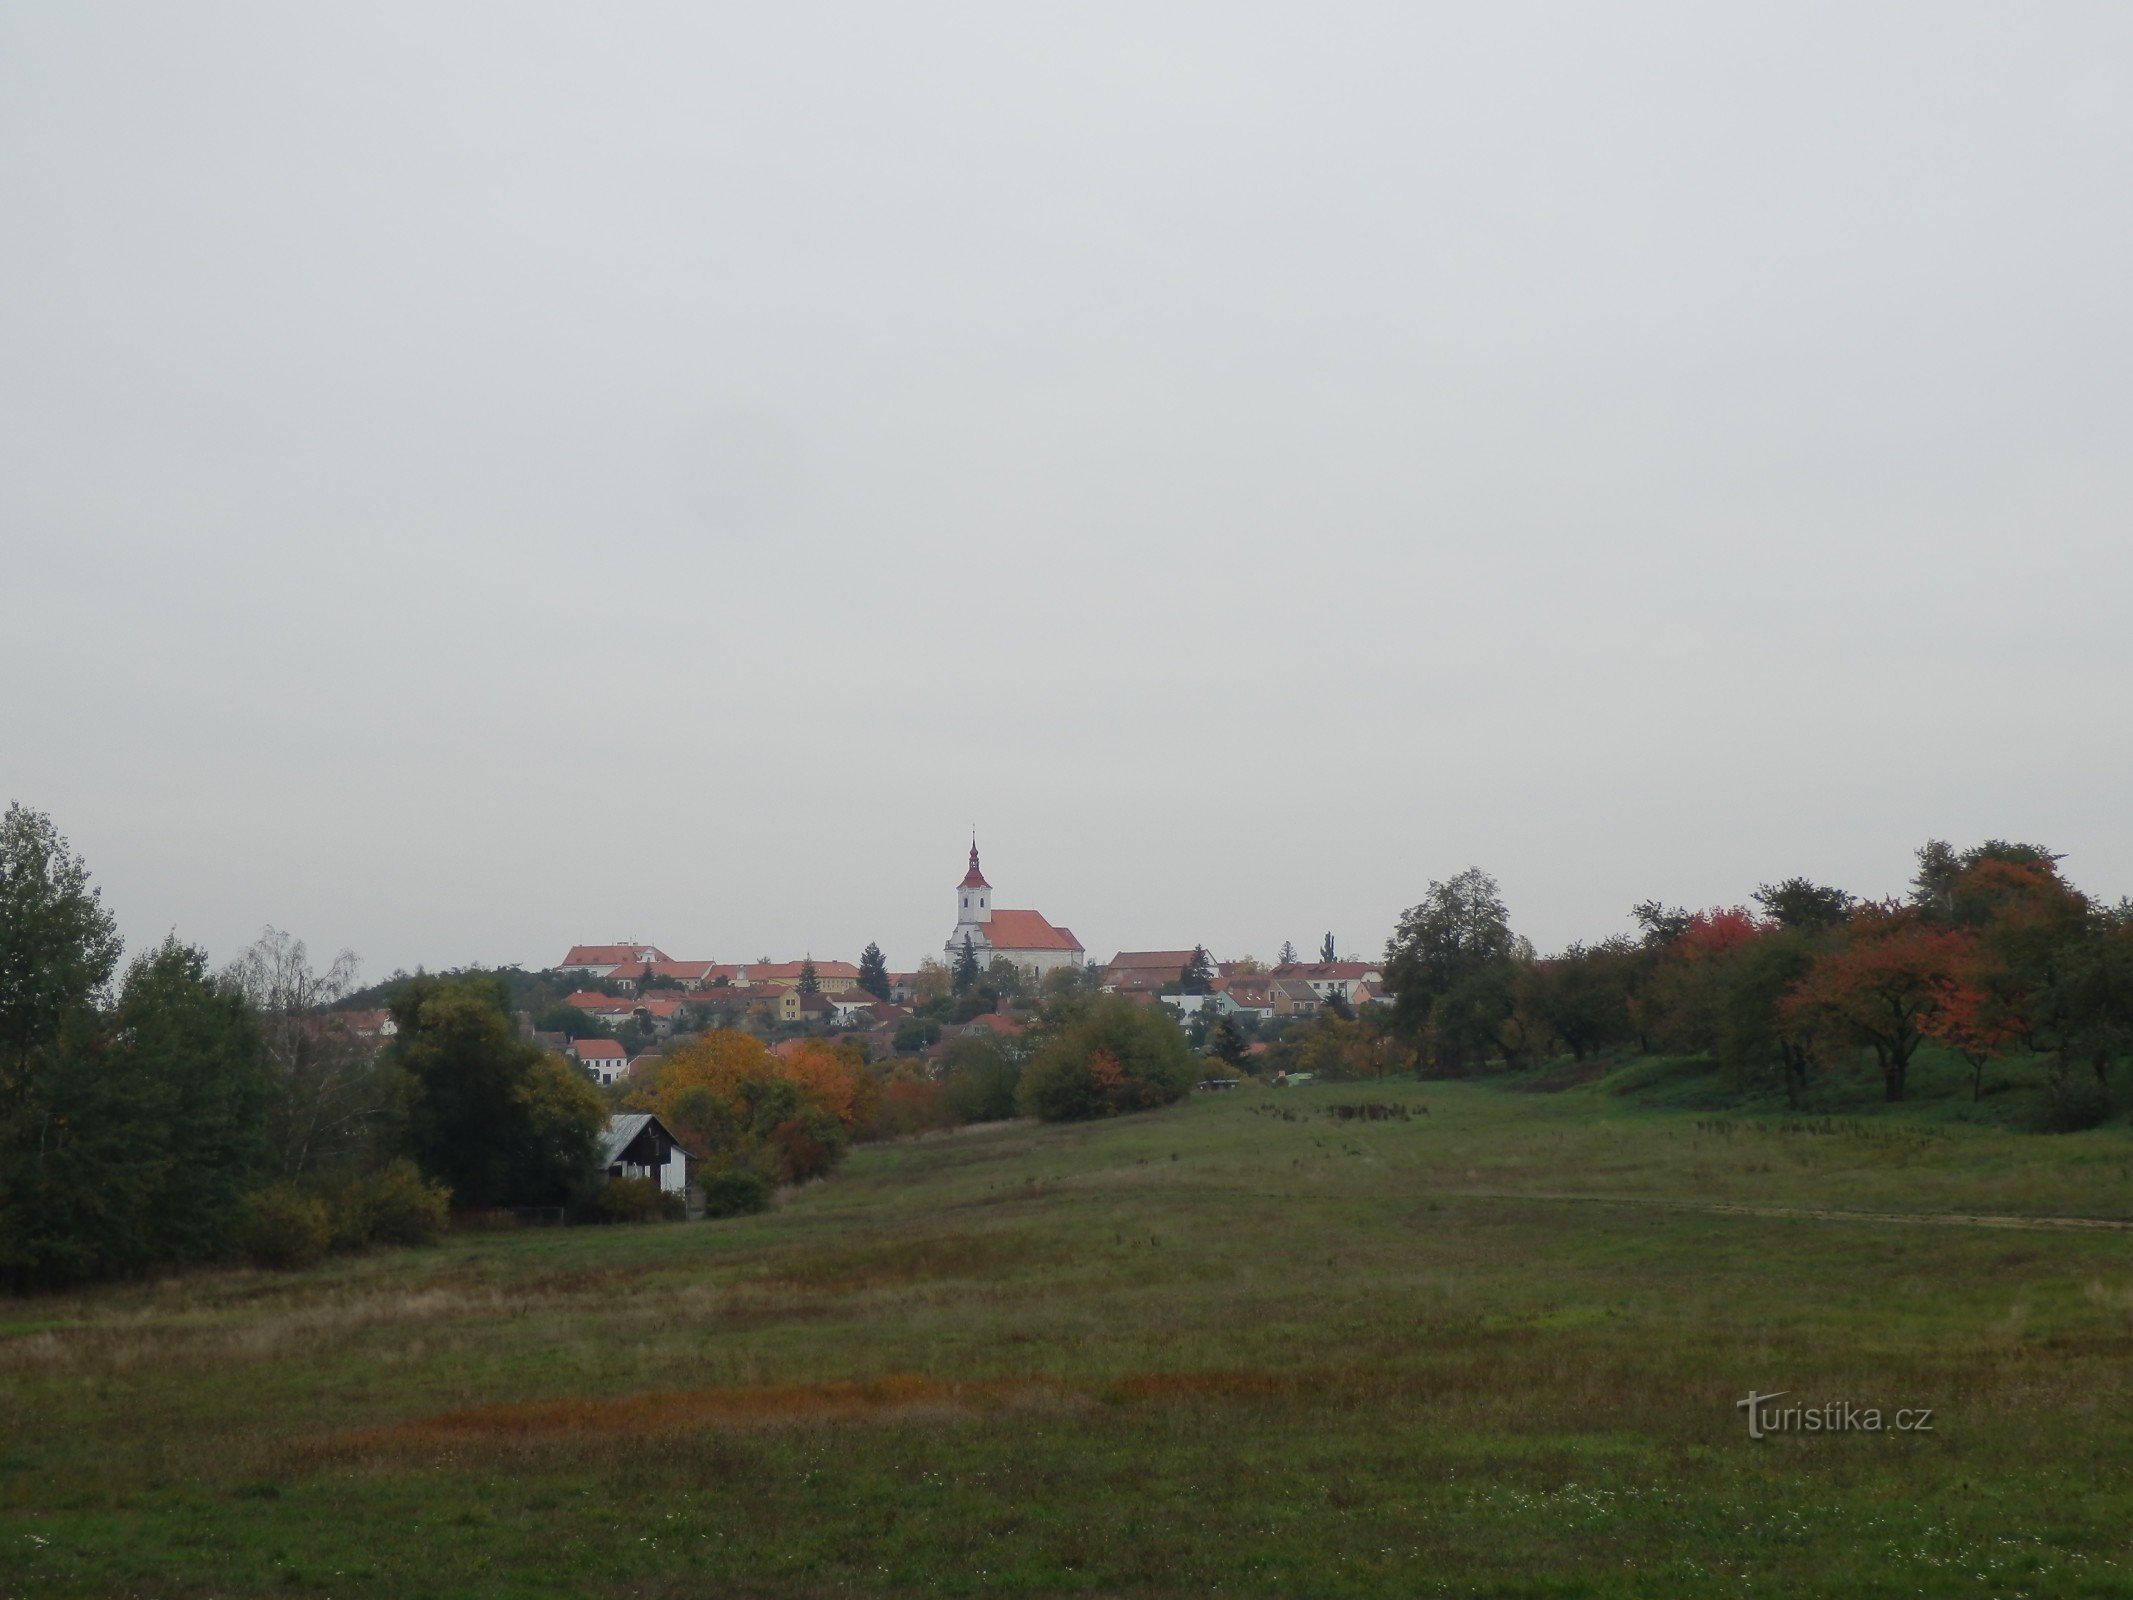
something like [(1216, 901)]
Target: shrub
[(283, 1227), (2073, 1105), (978, 1081), (627, 1200), (736, 1192), (398, 1206)]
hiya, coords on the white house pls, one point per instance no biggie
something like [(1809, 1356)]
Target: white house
[(603, 1058)]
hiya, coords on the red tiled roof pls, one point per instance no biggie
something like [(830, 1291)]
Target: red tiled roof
[(1027, 930), (1323, 970), (973, 879), (759, 971), (1154, 958), (611, 955), (702, 971), (597, 1049), (993, 1022)]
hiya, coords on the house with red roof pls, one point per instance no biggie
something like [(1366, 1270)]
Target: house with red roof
[(831, 977), (603, 1058), (1027, 938), (601, 960), (1330, 978), (1146, 971)]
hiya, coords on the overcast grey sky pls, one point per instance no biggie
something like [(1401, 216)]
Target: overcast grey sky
[(474, 478)]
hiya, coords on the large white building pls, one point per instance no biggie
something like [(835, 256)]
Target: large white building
[(1025, 937)]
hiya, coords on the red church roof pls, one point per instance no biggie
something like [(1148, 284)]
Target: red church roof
[(973, 879), (1027, 930)]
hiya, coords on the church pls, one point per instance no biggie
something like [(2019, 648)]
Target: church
[(1024, 937)]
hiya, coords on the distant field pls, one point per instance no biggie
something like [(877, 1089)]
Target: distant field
[(1239, 1346)]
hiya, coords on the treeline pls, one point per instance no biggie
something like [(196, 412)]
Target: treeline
[(175, 1114), (1992, 954)]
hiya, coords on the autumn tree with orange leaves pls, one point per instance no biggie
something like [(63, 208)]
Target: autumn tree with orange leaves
[(1883, 986), (735, 1104)]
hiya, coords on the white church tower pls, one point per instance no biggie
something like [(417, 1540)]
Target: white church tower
[(973, 908)]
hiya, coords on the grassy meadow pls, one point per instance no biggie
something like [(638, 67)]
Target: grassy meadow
[(1490, 1343)]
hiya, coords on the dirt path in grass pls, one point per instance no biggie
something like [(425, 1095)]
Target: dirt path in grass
[(1717, 1208)]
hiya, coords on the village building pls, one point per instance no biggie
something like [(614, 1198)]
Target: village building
[(601, 960), (1027, 938), (1146, 971), (639, 1145), (1330, 978), (831, 977), (603, 1058)]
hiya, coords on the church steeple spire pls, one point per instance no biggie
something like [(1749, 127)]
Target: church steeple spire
[(974, 879)]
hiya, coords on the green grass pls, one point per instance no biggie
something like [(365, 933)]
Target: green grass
[(1237, 1346)]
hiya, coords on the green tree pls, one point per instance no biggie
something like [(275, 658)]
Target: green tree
[(1581, 996), (914, 1034), (58, 945), (1226, 1041), (1804, 904), (485, 1112), (810, 981), (967, 970), (1459, 929), (978, 1080), (1199, 974), (1100, 1055), (127, 1138), (1287, 958), (874, 972), (1328, 951)]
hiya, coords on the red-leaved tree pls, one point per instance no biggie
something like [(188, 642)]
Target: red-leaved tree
[(1883, 985)]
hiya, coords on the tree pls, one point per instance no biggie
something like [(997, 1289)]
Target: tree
[(493, 1116), (1101, 1055), (1754, 1030), (810, 981), (1287, 958), (789, 1118), (1459, 928), (1803, 904), (147, 1130), (978, 1080), (131, 1127), (1659, 925), (1199, 974), (1581, 996), (1941, 868), (58, 945), (914, 1034), (966, 968), (1226, 1041), (932, 981), (1475, 1018), (874, 972), (1881, 986), (329, 1096), (1975, 1016), (1327, 950)]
